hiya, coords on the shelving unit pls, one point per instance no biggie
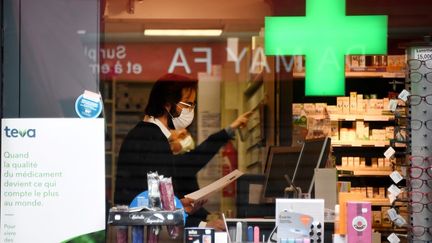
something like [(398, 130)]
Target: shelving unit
[(108, 93), (124, 104), (366, 177)]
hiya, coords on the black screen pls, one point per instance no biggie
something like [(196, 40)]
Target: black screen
[(313, 155), (281, 161)]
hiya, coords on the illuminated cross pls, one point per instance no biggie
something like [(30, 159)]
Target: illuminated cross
[(325, 35)]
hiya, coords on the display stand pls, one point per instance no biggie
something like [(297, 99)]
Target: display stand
[(420, 144), (125, 217)]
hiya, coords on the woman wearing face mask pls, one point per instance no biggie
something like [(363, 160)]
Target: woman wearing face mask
[(147, 146)]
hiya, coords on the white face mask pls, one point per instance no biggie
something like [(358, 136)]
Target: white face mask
[(184, 119)]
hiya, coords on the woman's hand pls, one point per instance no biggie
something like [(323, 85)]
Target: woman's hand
[(191, 206), (241, 121), (217, 224)]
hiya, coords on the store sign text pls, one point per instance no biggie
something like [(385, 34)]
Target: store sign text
[(115, 60), (259, 60), (120, 66)]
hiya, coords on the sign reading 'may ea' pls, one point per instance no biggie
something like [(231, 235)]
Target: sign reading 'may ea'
[(52, 179), (325, 35)]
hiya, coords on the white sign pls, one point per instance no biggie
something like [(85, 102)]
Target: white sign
[(423, 53), (52, 179)]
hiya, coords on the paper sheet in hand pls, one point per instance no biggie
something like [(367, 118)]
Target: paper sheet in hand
[(213, 187)]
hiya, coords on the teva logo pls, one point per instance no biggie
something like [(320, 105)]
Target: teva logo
[(19, 133), (325, 35)]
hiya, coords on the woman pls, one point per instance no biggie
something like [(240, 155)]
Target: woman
[(147, 146)]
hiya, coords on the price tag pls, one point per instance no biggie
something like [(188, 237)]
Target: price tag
[(392, 238), (393, 189), (393, 215), (396, 177), (404, 95), (389, 152), (423, 53), (392, 105), (400, 221)]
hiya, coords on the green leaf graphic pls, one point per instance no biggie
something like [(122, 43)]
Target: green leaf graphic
[(22, 132)]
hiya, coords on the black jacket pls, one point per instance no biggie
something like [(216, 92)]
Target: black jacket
[(145, 148)]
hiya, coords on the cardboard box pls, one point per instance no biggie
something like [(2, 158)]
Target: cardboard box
[(359, 222), (344, 197), (199, 235), (376, 217)]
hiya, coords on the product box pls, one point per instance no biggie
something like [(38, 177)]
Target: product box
[(353, 103), (359, 222), (346, 105), (376, 218), (385, 219), (199, 235), (339, 104), (360, 104)]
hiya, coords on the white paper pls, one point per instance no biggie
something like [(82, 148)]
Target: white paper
[(389, 152), (400, 221), (396, 177), (204, 192), (393, 238), (392, 214), (393, 189), (404, 95), (65, 184)]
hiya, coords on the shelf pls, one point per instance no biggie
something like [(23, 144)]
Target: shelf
[(108, 101), (365, 117), (360, 143), (365, 171), (130, 110), (363, 75), (251, 220)]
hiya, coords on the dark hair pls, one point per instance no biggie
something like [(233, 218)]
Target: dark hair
[(167, 90)]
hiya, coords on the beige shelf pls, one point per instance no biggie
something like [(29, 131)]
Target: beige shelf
[(130, 110), (359, 143), (364, 75), (372, 171), (364, 117)]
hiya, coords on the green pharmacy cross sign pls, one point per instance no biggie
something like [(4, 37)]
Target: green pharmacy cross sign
[(325, 35)]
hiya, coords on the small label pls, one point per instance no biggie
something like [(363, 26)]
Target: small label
[(404, 95), (396, 177), (392, 214), (88, 105), (359, 223), (400, 221), (389, 152), (392, 238), (393, 189), (392, 106)]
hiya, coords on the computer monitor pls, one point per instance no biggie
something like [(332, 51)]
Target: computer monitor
[(281, 161), (314, 154)]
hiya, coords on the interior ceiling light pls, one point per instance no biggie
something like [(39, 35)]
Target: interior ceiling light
[(183, 32)]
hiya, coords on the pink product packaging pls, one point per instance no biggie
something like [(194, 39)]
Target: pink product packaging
[(359, 222)]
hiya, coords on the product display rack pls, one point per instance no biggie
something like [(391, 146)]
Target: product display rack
[(420, 143)]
